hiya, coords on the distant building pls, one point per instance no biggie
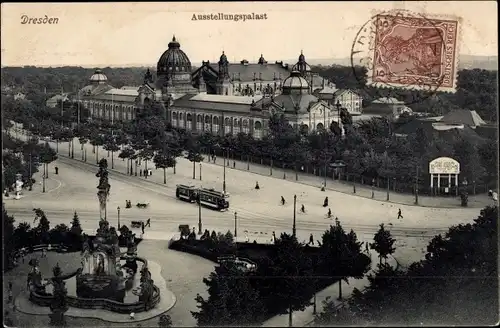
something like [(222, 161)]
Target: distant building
[(218, 98), (55, 100), (462, 116), (387, 107)]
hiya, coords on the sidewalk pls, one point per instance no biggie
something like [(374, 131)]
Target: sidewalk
[(306, 317), (475, 201)]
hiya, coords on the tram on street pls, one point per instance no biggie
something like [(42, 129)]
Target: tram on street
[(186, 193), (213, 199)]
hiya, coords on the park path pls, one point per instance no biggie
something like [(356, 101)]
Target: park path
[(475, 201)]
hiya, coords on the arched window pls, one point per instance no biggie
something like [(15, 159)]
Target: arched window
[(227, 125), (207, 119), (199, 123), (215, 124), (236, 126), (320, 126), (181, 116), (174, 119), (257, 130), (246, 127), (189, 122)]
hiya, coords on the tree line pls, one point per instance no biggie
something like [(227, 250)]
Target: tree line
[(369, 150)]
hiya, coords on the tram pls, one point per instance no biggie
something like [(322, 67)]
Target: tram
[(213, 199), (186, 193)]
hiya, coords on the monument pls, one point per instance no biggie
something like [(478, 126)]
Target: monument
[(106, 279), (18, 185)]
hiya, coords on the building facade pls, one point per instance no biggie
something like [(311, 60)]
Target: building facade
[(221, 98)]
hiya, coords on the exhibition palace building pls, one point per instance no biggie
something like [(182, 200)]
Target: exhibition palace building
[(223, 98)]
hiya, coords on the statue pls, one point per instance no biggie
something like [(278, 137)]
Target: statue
[(18, 185), (104, 186), (147, 289)]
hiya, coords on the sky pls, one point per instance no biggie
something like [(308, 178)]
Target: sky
[(121, 34)]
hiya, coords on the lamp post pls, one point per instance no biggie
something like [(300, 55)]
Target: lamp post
[(31, 179), (200, 171), (416, 187), (118, 209), (388, 182), (200, 228), (373, 188), (224, 175), (294, 228), (235, 225)]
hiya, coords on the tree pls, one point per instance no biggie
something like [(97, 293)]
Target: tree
[(76, 228), (194, 153), (111, 146), (127, 154), (43, 228), (58, 234), (8, 239), (342, 256), (456, 283), (165, 321), (383, 243), (290, 276), (146, 154), (232, 299), (47, 156), (164, 161), (96, 140)]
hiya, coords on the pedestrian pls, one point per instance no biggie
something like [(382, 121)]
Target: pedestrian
[(325, 202), (329, 213), (303, 208), (142, 226), (311, 240), (399, 214), (234, 164), (148, 223), (56, 169), (274, 238), (257, 185), (282, 200)]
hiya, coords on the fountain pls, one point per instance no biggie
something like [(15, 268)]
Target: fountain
[(105, 280)]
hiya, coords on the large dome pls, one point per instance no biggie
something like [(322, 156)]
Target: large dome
[(98, 77), (295, 83), (174, 60)]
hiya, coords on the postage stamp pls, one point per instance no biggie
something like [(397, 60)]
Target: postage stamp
[(410, 51)]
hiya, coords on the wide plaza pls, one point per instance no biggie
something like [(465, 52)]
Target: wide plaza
[(258, 214)]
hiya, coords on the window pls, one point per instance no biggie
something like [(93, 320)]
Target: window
[(257, 130), (227, 126), (189, 122), (199, 123), (236, 126), (246, 127)]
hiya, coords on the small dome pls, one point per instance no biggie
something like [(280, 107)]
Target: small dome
[(98, 77), (262, 60), (302, 58), (173, 60), (223, 58), (296, 82)]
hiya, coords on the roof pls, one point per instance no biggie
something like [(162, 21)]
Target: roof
[(387, 100), (445, 131), (463, 116), (290, 101), (56, 98), (225, 99), (215, 103), (245, 72)]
